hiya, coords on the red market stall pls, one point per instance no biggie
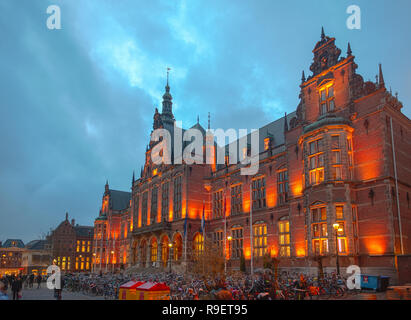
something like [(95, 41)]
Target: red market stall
[(127, 291), (153, 291)]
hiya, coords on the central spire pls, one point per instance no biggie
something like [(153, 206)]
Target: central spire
[(167, 111)]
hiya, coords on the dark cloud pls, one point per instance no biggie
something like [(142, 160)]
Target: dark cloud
[(77, 103)]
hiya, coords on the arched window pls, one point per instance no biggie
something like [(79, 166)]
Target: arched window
[(165, 250), (177, 247), (143, 255), (198, 245)]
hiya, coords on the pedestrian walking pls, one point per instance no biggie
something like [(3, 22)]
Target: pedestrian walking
[(16, 287), (39, 279)]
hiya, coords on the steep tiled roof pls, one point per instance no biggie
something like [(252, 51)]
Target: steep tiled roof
[(120, 200)]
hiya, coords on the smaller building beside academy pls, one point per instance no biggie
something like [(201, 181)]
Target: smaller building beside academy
[(72, 246)]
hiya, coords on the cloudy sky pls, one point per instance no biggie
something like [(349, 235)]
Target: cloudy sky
[(76, 104)]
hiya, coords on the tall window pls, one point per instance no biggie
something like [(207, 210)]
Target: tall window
[(319, 230), (154, 250), (260, 239), (284, 238), (282, 186), (177, 197), (327, 100), (218, 204), (78, 246), (342, 241), (218, 239), (136, 207), (316, 161), (144, 209), (198, 245), (154, 206), (259, 200), (164, 201), (336, 158), (236, 242), (236, 200)]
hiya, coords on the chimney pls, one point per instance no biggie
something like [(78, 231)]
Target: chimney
[(72, 222)]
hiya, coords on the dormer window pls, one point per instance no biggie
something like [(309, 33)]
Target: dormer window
[(327, 103), (267, 143)]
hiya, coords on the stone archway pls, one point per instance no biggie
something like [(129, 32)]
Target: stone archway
[(143, 252), (177, 247), (165, 250)]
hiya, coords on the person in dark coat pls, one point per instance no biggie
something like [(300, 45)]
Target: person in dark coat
[(38, 279), (31, 280), (16, 287)]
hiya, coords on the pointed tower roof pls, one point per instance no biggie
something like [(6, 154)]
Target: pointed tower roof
[(133, 179), (167, 111), (349, 51), (303, 77), (322, 33), (381, 82)]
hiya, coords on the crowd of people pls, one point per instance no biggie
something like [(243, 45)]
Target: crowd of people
[(16, 283)]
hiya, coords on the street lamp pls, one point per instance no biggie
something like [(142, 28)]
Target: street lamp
[(229, 238), (170, 245), (112, 261), (94, 263), (337, 229)]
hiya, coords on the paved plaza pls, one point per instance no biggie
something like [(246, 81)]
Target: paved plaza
[(45, 294)]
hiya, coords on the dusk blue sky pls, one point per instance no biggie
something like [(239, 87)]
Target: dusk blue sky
[(76, 105)]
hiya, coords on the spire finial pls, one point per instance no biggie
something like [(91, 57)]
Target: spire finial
[(132, 181), (198, 119), (168, 71), (349, 52), (322, 33), (303, 77), (209, 121), (381, 82)]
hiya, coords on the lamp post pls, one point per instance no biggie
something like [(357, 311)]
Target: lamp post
[(337, 229), (94, 263), (170, 245), (229, 238), (112, 261)]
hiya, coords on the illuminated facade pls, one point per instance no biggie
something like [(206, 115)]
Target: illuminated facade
[(72, 246), (342, 157), (112, 231)]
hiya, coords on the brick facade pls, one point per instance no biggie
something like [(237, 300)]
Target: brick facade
[(331, 161)]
